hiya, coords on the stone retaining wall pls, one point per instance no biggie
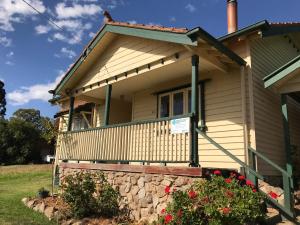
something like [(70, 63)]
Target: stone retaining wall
[(144, 193)]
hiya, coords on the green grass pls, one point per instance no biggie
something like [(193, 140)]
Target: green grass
[(17, 182)]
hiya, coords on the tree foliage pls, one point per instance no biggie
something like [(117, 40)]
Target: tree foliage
[(2, 100), (24, 136)]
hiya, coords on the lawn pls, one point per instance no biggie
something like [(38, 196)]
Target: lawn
[(17, 182)]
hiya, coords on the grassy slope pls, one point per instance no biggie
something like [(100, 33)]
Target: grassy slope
[(17, 182)]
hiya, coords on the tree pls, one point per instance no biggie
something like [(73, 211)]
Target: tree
[(2, 100), (43, 124), (25, 137)]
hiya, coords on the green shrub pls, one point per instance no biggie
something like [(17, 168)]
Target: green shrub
[(217, 201), (84, 199)]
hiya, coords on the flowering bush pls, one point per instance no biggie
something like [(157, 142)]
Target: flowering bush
[(83, 197), (218, 200)]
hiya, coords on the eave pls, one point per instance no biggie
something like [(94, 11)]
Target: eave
[(190, 38)]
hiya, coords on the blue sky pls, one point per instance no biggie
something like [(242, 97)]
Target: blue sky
[(34, 54)]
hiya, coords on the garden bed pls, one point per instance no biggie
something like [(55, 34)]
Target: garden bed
[(54, 208)]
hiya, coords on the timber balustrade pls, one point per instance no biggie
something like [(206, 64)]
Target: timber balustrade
[(143, 141)]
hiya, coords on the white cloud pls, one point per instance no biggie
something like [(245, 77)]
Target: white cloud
[(12, 11), (24, 95), (42, 29), (10, 54), (4, 41), (9, 63), (191, 8), (76, 10), (92, 34), (67, 53), (132, 21)]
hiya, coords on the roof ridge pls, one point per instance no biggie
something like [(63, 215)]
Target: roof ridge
[(149, 27)]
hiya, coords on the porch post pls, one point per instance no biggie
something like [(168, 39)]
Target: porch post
[(287, 183), (194, 158), (107, 104), (71, 111), (286, 132)]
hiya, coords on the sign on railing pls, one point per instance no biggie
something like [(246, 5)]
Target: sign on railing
[(180, 126)]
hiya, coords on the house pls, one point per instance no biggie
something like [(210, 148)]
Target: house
[(154, 95)]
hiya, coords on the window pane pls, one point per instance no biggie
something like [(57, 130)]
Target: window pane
[(189, 101), (178, 104), (165, 106)]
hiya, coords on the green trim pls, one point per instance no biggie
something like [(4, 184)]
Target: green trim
[(124, 161), (282, 72), (107, 104), (179, 38), (280, 30), (189, 38), (262, 25), (199, 32), (130, 123), (71, 111), (194, 156)]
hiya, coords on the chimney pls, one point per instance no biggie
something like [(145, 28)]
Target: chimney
[(232, 16)]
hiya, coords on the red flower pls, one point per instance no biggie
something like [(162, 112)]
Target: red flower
[(229, 194), (167, 189), (226, 210), (241, 177), (192, 194), (228, 180), (168, 218), (254, 190), (249, 183), (217, 172), (179, 213), (273, 194), (163, 211)]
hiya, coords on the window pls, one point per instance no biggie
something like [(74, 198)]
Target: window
[(164, 106), (82, 121), (176, 103), (178, 107)]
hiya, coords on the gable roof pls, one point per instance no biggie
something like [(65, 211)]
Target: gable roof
[(267, 29), (169, 34), (282, 72)]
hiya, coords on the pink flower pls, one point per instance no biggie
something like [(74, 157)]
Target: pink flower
[(273, 194), (249, 183), (192, 194), (241, 177), (217, 172), (163, 211), (228, 180), (226, 210), (168, 218), (167, 189)]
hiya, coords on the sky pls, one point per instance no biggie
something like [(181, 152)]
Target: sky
[(34, 53)]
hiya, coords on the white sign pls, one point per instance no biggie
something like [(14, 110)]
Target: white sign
[(179, 126)]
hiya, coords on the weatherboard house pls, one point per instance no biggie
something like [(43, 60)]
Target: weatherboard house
[(156, 100)]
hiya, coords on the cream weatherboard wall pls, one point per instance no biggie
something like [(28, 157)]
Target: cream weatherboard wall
[(294, 115), (127, 53), (223, 115), (267, 55)]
